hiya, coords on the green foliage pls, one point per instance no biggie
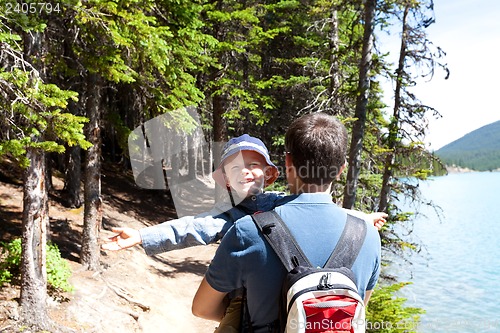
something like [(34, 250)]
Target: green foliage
[(11, 260), (386, 312), (416, 162), (129, 43), (36, 116), (101, 32), (58, 270), (25, 16), (278, 186)]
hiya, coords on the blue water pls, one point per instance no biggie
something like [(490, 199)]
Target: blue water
[(456, 277)]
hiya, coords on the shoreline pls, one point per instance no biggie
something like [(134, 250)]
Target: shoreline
[(457, 169)]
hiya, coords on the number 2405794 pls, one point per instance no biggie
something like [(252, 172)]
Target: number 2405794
[(32, 8)]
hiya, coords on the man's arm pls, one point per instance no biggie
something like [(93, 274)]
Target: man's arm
[(209, 303), (368, 294), (376, 268)]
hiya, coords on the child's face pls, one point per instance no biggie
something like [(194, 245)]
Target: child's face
[(245, 173)]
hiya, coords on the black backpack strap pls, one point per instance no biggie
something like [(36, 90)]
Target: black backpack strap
[(349, 244), (291, 255), (281, 240)]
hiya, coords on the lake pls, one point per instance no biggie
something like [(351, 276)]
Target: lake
[(457, 274)]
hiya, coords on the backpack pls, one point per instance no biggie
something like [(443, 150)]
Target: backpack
[(317, 299)]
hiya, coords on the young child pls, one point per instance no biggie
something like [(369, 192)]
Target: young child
[(245, 170)]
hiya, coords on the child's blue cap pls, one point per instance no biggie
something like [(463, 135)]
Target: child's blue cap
[(245, 142)]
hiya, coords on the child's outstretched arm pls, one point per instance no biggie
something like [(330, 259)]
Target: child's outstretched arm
[(188, 231), (378, 219), (124, 238), (184, 232), (176, 234)]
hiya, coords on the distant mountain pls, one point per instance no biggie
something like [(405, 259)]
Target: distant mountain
[(479, 150)]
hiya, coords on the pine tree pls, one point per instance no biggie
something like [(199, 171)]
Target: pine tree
[(33, 123)]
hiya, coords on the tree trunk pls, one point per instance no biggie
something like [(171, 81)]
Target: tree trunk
[(176, 166), (218, 101), (92, 217), (34, 236), (385, 191), (219, 137), (200, 160), (48, 172), (192, 151), (73, 172), (358, 130), (72, 186), (334, 64), (48, 187), (35, 218)]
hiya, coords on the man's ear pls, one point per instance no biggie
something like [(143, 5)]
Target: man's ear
[(341, 170), (288, 160)]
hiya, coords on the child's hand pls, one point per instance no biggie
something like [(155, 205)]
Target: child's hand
[(125, 238), (378, 219)]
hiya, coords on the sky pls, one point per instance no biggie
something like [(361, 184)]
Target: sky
[(469, 32)]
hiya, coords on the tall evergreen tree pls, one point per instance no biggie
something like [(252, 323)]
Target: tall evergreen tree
[(408, 122), (358, 130), (35, 210), (33, 122)]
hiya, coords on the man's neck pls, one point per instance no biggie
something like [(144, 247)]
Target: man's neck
[(313, 188)]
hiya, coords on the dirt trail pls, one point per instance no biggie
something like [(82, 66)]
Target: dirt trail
[(137, 293), (132, 292)]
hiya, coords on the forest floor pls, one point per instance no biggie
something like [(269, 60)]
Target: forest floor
[(132, 292)]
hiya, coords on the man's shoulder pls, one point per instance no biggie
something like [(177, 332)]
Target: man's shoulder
[(372, 237), (245, 223), (244, 233)]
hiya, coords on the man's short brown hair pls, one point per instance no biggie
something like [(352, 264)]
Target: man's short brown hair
[(317, 143)]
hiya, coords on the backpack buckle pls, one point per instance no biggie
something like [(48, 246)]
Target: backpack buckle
[(325, 282)]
